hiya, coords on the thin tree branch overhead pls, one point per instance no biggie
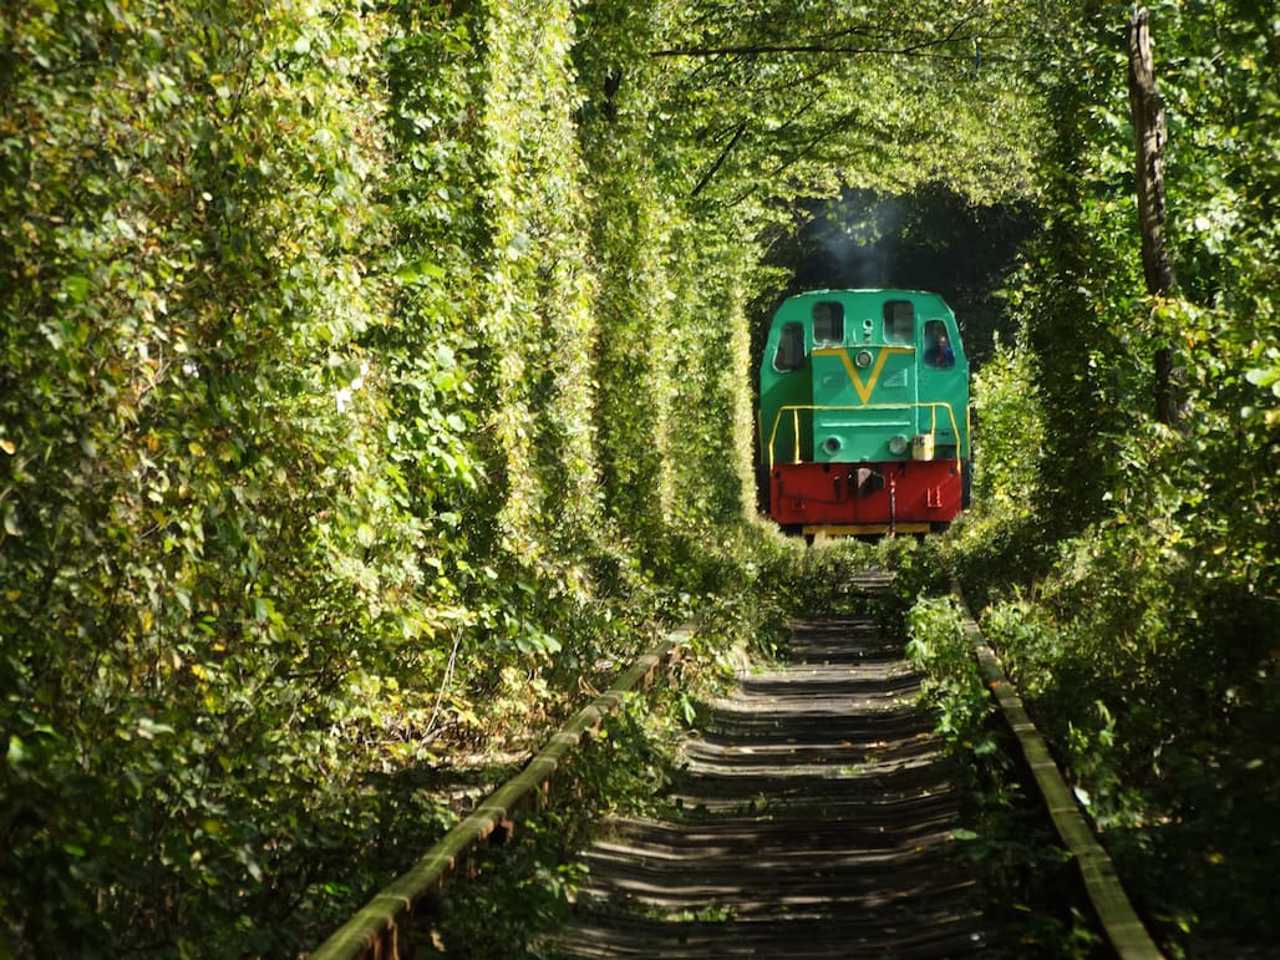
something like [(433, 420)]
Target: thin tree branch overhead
[(706, 177)]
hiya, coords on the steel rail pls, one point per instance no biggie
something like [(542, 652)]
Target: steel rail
[(1129, 938), (377, 931)]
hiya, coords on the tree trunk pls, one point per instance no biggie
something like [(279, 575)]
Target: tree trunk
[(1149, 135)]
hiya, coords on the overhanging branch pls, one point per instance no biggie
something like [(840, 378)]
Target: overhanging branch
[(706, 177)]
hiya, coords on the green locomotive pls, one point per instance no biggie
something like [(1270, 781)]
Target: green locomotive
[(864, 399)]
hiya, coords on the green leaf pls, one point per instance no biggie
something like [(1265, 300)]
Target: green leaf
[(76, 287), (17, 750), (418, 271), (148, 729)]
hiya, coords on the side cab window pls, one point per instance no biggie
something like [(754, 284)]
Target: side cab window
[(790, 352), (938, 351)]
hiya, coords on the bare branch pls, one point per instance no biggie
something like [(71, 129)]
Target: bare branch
[(706, 177)]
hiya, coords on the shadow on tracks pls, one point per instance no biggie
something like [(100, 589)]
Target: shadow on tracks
[(815, 818)]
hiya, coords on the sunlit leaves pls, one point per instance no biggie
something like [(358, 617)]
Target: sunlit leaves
[(876, 98), (170, 313)]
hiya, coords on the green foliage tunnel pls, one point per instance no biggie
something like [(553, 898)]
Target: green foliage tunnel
[(371, 377), (375, 379)]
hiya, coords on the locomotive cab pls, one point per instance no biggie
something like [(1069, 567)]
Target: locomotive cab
[(863, 406)]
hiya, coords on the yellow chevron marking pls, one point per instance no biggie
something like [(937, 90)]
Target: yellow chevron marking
[(864, 392)]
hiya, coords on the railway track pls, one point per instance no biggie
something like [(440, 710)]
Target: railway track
[(816, 816)]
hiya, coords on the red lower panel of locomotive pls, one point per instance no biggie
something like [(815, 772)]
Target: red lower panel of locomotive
[(898, 492)]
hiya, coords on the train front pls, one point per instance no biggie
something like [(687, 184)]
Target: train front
[(863, 413)]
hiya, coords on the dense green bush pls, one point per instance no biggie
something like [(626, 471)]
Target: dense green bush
[(940, 648), (204, 556), (1131, 566)]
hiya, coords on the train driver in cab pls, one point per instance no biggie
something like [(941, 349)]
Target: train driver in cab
[(939, 352)]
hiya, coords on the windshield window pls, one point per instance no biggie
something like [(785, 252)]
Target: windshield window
[(899, 321), (828, 322)]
